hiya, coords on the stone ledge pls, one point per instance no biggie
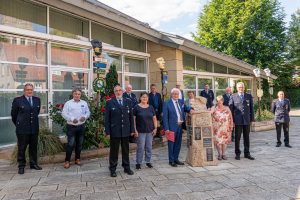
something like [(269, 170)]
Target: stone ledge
[(263, 126)]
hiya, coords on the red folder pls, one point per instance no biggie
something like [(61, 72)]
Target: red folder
[(170, 136)]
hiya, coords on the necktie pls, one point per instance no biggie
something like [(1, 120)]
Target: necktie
[(180, 113), (242, 97), (120, 102), (30, 101), (130, 95)]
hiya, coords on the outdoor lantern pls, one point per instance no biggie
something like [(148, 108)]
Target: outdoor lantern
[(268, 72), (256, 72)]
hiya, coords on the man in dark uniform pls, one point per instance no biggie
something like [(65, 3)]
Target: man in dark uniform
[(226, 98), (24, 113), (119, 125), (155, 101), (241, 106), (281, 108), (130, 95), (209, 95)]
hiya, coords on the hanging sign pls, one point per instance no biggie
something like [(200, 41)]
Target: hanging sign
[(99, 85), (100, 65), (100, 71)]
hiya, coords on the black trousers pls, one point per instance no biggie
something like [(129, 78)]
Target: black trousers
[(114, 152), (75, 138), (239, 129), (23, 141), (285, 130)]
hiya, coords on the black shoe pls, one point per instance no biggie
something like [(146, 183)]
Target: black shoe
[(21, 171), (278, 145), (179, 163), (113, 174), (250, 157), (173, 164), (138, 166), (287, 145), (237, 157), (36, 167), (149, 165), (128, 171)]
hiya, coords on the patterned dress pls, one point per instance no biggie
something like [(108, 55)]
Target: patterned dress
[(222, 125)]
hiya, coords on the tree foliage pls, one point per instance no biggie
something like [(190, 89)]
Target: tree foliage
[(111, 80), (250, 30), (294, 39)]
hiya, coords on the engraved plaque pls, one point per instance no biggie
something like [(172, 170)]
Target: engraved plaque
[(207, 142), (204, 119), (206, 131), (197, 133), (209, 154)]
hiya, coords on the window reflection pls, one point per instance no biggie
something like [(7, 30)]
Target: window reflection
[(69, 80)]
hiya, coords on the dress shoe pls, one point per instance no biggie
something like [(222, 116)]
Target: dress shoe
[(179, 163), (237, 157), (128, 171), (77, 162), (287, 145), (278, 145), (138, 166), (224, 157), (250, 157), (219, 157), (173, 164), (113, 174), (67, 165), (36, 167), (149, 165), (21, 171)]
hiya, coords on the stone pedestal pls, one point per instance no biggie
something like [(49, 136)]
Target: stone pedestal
[(200, 138)]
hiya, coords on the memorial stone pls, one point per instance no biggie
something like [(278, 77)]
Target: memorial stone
[(199, 135)]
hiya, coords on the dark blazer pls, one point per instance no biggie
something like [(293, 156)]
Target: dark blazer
[(132, 98), (209, 96), (119, 119), (226, 99), (281, 110), (157, 107), (242, 111), (170, 115), (182, 94), (25, 116)]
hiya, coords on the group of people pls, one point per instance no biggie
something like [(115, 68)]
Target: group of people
[(126, 116)]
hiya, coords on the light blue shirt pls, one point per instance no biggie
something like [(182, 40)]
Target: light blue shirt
[(75, 110)]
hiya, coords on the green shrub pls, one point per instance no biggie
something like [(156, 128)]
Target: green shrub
[(264, 115), (48, 145)]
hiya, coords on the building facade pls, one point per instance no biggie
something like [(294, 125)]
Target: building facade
[(47, 43)]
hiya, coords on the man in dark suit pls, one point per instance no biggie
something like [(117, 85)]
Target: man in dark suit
[(119, 125), (209, 95), (155, 101), (24, 113), (227, 96), (241, 106), (173, 119), (281, 108), (130, 95), (181, 94)]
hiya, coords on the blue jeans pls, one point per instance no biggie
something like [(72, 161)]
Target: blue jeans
[(75, 138), (174, 147), (144, 144)]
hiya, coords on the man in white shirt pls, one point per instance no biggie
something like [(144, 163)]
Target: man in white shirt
[(75, 112)]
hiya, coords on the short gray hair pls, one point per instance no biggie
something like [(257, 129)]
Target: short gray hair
[(28, 84), (240, 84), (76, 89), (175, 89)]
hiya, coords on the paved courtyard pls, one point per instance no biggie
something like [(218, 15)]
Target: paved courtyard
[(275, 174)]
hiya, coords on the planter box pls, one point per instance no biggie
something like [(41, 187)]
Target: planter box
[(263, 126)]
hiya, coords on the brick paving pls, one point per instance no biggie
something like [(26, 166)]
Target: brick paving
[(275, 174)]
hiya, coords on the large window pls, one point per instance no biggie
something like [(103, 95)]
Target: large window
[(106, 35), (220, 85), (203, 65), (220, 69), (66, 56), (135, 65), (188, 61), (23, 14), (69, 26), (133, 43)]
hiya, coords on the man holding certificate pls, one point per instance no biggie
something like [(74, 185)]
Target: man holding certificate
[(173, 120)]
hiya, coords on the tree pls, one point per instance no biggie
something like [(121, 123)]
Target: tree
[(250, 30), (111, 80), (294, 39)]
